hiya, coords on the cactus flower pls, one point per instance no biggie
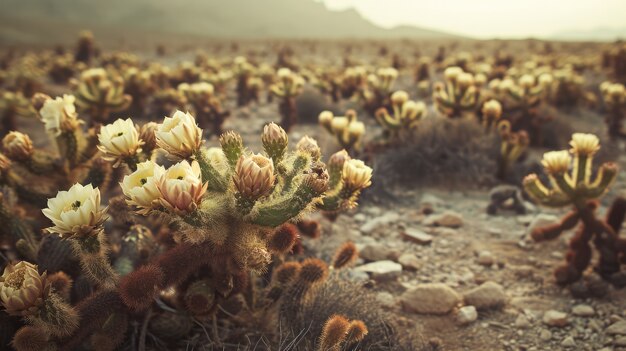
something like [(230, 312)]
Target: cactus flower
[(23, 289)]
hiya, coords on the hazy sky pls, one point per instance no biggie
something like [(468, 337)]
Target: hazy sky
[(492, 18)]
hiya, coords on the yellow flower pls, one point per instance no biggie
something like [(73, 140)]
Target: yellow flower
[(179, 135), (140, 187), (119, 140), (75, 211), (451, 73), (356, 175), (59, 114), (17, 145), (584, 144), (556, 162), (181, 187), (22, 289), (464, 80), (254, 176)]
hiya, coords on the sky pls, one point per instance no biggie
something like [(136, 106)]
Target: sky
[(492, 18)]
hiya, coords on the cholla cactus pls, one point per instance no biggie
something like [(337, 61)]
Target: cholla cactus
[(85, 48), (287, 87), (578, 189), (404, 118), (99, 95), (614, 95), (512, 146), (340, 333), (167, 101), (378, 89), (12, 106), (458, 96), (243, 71), (140, 85), (206, 105), (491, 114), (346, 129), (24, 292)]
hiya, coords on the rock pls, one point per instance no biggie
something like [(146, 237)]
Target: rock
[(620, 341), (485, 258), (568, 342), (466, 315), (617, 328), (545, 335), (410, 261), (489, 295), (431, 298), (522, 321), (381, 270), (417, 236), (448, 219), (376, 252), (583, 311), (541, 220), (555, 318), (428, 203), (376, 222), (386, 299)]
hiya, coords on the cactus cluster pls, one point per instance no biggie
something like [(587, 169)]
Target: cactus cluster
[(348, 130)]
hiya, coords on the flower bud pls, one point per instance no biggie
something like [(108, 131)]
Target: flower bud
[(451, 73), (146, 134), (527, 81), (356, 175), (325, 119), (17, 146), (76, 211), (309, 145), (254, 176), (465, 80), (356, 129), (492, 109), (338, 159), (179, 135), (275, 140), (23, 289), (399, 97), (5, 164), (140, 187), (181, 187)]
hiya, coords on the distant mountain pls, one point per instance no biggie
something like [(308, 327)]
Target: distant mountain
[(596, 34), (206, 18)]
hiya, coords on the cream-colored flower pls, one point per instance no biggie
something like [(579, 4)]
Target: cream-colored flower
[(584, 144), (527, 81), (465, 80), (119, 140), (545, 79), (325, 119), (492, 108), (412, 109), (356, 129), (179, 135), (59, 114), (75, 211), (254, 176), (23, 289), (140, 187), (339, 124), (451, 73), (399, 97), (181, 187), (17, 145), (356, 175), (556, 162)]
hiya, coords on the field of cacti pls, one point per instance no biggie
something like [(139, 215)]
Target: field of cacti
[(315, 195)]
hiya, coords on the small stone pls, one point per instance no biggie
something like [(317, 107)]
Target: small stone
[(386, 299), (489, 295), (430, 298), (555, 318), (417, 236), (376, 252), (541, 220), (448, 219), (568, 342), (410, 261), (617, 328), (466, 315), (545, 335), (522, 321), (381, 270), (583, 311), (485, 258), (376, 222), (620, 341)]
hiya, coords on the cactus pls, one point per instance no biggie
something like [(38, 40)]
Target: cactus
[(287, 88), (404, 118), (347, 130), (99, 95), (513, 146), (578, 189), (458, 96), (85, 48), (12, 106), (207, 107), (614, 96)]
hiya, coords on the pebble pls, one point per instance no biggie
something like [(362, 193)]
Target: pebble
[(376, 252), (430, 298), (417, 236), (545, 335), (376, 222), (568, 342), (410, 261), (617, 328), (583, 311), (555, 318), (522, 321), (467, 315), (489, 295), (448, 219), (381, 270), (541, 220), (485, 258)]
